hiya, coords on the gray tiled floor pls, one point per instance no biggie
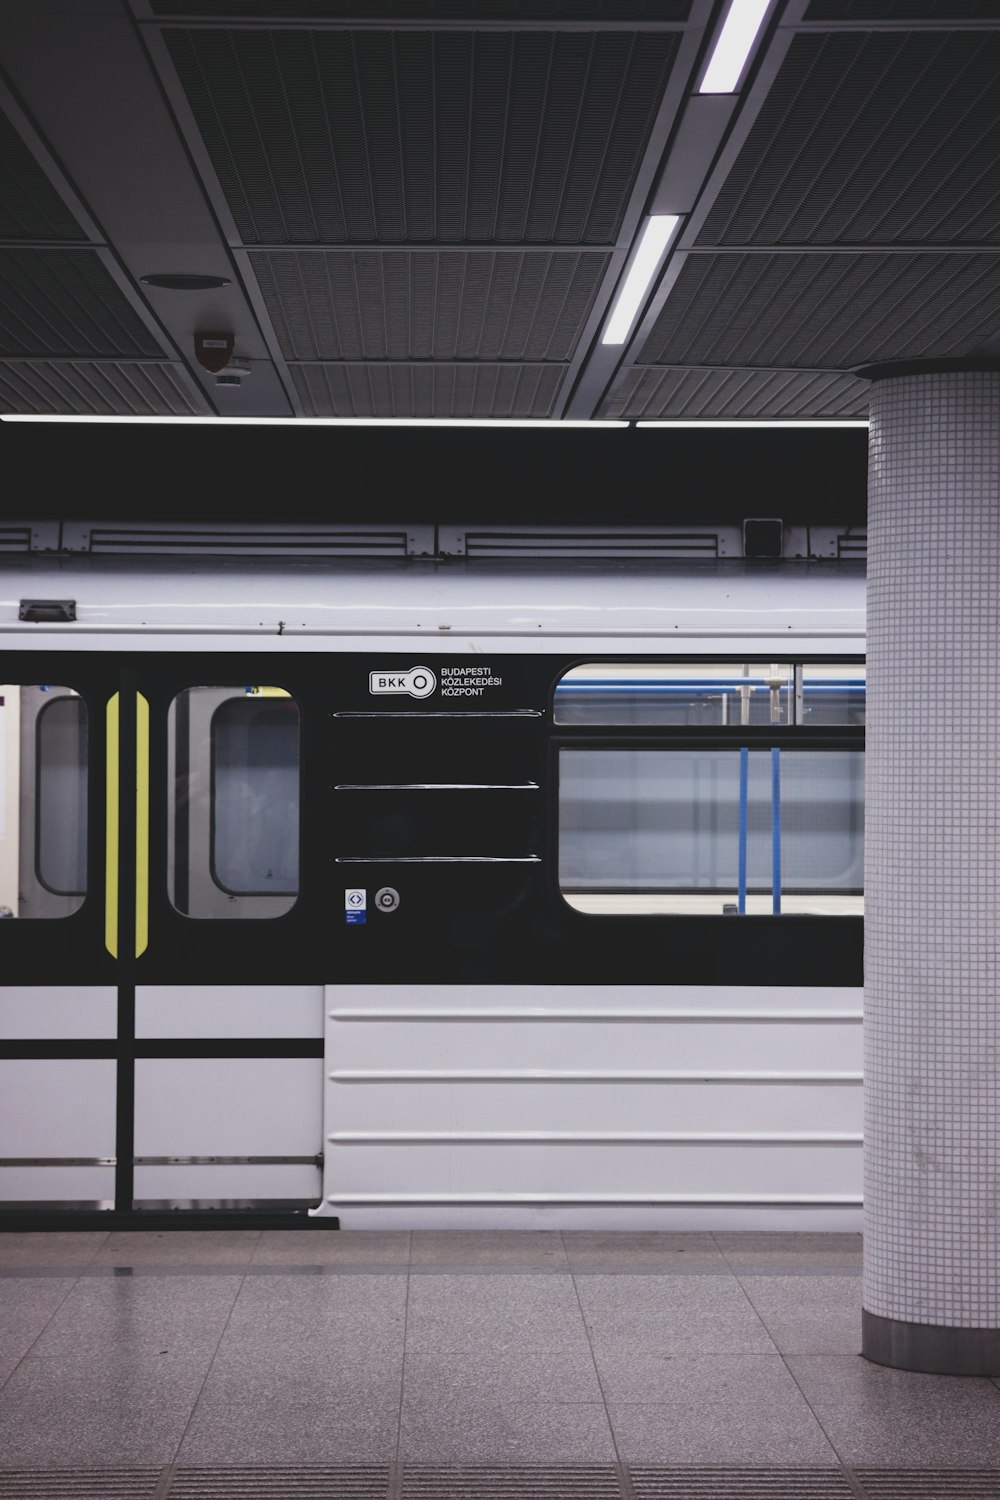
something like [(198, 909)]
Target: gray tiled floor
[(431, 1348)]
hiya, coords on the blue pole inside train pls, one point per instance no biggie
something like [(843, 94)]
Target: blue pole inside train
[(742, 884), (776, 831)]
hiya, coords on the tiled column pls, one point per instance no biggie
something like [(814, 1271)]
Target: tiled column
[(932, 900)]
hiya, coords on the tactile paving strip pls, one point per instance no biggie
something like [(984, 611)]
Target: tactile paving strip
[(289, 1482), (584, 1483), (79, 1484), (739, 1484), (930, 1484)]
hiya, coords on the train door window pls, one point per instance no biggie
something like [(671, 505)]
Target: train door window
[(233, 802), (831, 694), (43, 800), (704, 831)]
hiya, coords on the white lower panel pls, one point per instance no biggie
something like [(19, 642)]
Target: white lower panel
[(52, 1011), (725, 1218), (57, 1107), (596, 1171), (57, 1185), (774, 1074), (228, 1106), (251, 1182), (249, 1010)]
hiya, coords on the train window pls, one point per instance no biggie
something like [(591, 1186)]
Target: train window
[(832, 695), (43, 800), (233, 832), (711, 695), (741, 831)]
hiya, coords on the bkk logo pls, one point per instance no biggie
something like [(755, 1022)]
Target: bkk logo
[(419, 682)]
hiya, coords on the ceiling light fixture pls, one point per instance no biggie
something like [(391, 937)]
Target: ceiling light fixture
[(812, 422), (736, 39), (175, 281), (546, 423), (655, 238)]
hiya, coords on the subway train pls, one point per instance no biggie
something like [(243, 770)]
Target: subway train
[(430, 888)]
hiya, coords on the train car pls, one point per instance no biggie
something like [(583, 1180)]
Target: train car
[(430, 889)]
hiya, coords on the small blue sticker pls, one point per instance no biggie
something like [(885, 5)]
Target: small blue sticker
[(355, 907), (355, 918)]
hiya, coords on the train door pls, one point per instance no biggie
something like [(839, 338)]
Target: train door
[(228, 996), (59, 983)]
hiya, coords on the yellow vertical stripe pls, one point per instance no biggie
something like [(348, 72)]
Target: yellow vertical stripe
[(141, 824), (111, 832)]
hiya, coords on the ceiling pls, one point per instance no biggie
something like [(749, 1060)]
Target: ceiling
[(425, 210)]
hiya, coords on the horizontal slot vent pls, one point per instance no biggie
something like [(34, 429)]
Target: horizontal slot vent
[(258, 541), (853, 545), (598, 542)]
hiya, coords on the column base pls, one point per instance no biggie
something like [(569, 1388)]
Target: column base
[(933, 1348)]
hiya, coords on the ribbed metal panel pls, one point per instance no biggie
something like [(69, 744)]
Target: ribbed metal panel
[(30, 207), (428, 390), (334, 136), (828, 311), (597, 541), (653, 393), (63, 302), (78, 1484), (435, 10), (871, 139), (739, 1484), (289, 1482), (577, 1483), (86, 388), (903, 10), (449, 305)]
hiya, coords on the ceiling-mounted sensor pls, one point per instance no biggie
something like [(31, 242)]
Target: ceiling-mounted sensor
[(172, 282), (213, 351)]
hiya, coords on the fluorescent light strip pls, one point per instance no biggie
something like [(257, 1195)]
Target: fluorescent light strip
[(736, 38), (812, 422), (655, 238), (313, 421)]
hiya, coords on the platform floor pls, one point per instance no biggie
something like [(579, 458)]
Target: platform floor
[(244, 1363)]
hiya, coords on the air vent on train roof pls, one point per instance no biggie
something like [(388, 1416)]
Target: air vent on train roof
[(592, 541), (258, 540)]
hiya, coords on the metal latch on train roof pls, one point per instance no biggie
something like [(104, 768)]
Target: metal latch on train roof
[(51, 611)]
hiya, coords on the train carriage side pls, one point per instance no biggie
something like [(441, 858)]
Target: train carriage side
[(467, 895)]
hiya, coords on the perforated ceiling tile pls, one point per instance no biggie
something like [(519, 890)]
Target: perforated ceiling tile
[(86, 388), (825, 311), (426, 305), (903, 10), (435, 10), (63, 302), (30, 207), (871, 139), (646, 393), (428, 390), (453, 136)]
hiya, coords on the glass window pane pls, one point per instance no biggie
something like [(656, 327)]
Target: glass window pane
[(833, 694), (706, 695), (699, 831), (43, 800), (233, 766)]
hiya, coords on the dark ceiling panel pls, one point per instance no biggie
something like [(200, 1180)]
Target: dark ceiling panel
[(407, 390), (86, 388), (451, 304), (903, 10), (327, 137), (646, 393), (63, 302), (871, 138), (434, 10), (830, 311), (30, 207)]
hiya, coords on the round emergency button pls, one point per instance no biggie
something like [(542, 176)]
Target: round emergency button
[(387, 899)]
